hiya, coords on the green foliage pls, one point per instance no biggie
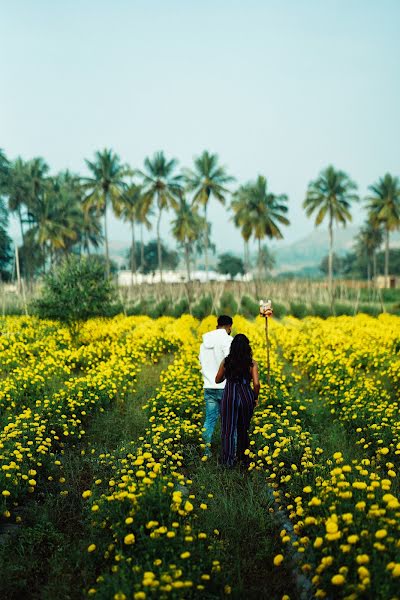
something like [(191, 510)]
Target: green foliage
[(203, 308), (370, 309), (228, 304), (322, 311), (170, 258), (340, 308), (249, 308), (76, 290), (180, 308), (298, 310), (280, 310), (231, 265), (5, 243)]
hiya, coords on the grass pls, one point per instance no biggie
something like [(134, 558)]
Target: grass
[(45, 557)]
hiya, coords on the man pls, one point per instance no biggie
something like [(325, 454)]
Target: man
[(215, 347)]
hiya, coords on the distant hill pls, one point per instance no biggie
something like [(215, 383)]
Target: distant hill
[(309, 251)]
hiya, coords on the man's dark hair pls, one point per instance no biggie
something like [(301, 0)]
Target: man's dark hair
[(224, 320)]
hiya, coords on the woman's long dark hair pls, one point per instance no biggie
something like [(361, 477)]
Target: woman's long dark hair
[(239, 359)]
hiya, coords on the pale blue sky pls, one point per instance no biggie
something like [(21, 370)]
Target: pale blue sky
[(281, 88)]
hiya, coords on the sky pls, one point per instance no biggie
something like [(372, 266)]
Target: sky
[(280, 88)]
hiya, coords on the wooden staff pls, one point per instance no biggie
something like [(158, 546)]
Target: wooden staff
[(266, 312)]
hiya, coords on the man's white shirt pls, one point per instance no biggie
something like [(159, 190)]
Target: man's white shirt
[(214, 348)]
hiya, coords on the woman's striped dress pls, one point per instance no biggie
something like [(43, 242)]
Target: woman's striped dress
[(237, 406)]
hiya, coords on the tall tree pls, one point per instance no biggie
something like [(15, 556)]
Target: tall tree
[(384, 208), (106, 187), (5, 242), (266, 213), (162, 187), (330, 195), (186, 228), (4, 171), (208, 179), (19, 191), (243, 219), (143, 217), (129, 209), (367, 242)]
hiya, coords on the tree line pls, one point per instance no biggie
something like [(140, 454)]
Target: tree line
[(67, 213)]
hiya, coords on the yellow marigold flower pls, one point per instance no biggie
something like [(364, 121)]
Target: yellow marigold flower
[(227, 590), (318, 542), (91, 548), (5, 493), (362, 559), (203, 506), (338, 579), (188, 506), (380, 534), (129, 539), (86, 494), (185, 555), (396, 570), (139, 596), (278, 560)]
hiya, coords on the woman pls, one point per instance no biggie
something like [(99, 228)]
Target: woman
[(239, 399)]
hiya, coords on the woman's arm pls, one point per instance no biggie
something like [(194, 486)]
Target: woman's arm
[(220, 376), (256, 380)]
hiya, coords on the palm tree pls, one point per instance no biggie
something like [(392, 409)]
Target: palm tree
[(186, 228), (330, 195), (384, 208), (242, 219), (4, 171), (208, 179), (162, 187), (368, 241), (58, 216), (106, 186), (144, 213), (266, 213), (19, 190), (129, 211)]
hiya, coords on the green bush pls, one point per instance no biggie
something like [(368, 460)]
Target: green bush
[(203, 308), (370, 309), (75, 291), (298, 310), (228, 304), (280, 310), (249, 308), (320, 310), (341, 309), (180, 308)]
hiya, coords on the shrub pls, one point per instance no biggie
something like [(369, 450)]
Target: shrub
[(203, 308), (280, 310), (249, 308), (341, 309), (180, 308), (228, 304), (370, 309), (75, 291), (298, 310), (322, 311)]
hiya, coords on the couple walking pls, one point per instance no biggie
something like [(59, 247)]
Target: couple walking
[(228, 369)]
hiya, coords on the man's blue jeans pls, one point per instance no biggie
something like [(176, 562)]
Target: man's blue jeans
[(212, 399)]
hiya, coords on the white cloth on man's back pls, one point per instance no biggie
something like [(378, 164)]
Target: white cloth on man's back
[(215, 347)]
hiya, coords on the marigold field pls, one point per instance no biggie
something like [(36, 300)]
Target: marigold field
[(324, 449)]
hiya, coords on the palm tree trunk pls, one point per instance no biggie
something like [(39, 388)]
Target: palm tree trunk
[(106, 237), (159, 243), (330, 259), (21, 226), (374, 266), (141, 249), (206, 242), (245, 256), (187, 259), (133, 253), (259, 258), (387, 257)]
